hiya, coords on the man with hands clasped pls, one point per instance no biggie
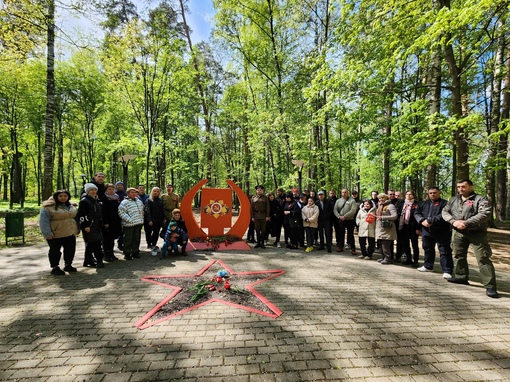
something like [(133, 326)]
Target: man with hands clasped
[(469, 215)]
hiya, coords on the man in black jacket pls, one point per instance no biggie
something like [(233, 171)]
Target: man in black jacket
[(325, 218), (435, 231)]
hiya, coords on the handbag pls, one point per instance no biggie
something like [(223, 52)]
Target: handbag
[(387, 224)]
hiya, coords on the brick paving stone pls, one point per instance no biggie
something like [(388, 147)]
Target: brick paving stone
[(117, 377), (311, 375), (326, 329)]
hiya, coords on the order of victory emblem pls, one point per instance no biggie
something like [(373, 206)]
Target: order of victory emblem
[(216, 208)]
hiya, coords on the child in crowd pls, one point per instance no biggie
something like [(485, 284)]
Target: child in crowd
[(181, 240), (365, 220)]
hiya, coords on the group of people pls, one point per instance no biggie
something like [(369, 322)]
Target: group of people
[(107, 213), (309, 221)]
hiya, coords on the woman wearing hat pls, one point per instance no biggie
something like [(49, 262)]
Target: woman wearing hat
[(385, 231), (58, 226), (90, 219)]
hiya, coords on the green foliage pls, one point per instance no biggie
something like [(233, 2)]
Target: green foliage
[(347, 88)]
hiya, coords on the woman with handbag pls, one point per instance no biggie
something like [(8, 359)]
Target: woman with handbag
[(385, 230)]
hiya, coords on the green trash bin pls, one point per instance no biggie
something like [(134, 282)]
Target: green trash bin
[(14, 225)]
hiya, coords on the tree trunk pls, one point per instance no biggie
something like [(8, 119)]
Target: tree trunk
[(504, 178), (387, 135), (434, 110), (494, 159), (47, 190), (461, 141)]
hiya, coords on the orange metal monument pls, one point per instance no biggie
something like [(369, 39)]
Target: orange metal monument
[(216, 215)]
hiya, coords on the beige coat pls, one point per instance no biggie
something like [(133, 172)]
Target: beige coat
[(365, 229), (57, 222), (389, 213), (312, 214)]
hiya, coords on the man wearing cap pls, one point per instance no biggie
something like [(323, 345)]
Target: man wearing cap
[(119, 190), (325, 218), (260, 214), (170, 202)]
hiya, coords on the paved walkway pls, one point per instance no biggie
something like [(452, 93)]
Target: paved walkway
[(344, 319)]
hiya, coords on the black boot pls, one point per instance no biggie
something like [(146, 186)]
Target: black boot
[(89, 262)]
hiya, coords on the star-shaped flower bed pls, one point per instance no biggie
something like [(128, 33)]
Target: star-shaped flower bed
[(216, 282)]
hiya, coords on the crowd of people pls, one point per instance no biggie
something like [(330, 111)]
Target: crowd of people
[(107, 213), (389, 221)]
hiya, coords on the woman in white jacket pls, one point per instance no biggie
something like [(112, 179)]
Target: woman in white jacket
[(365, 220), (310, 215)]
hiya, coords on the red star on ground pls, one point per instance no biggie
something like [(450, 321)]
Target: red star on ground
[(146, 321)]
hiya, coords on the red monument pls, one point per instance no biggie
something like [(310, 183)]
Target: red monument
[(216, 216)]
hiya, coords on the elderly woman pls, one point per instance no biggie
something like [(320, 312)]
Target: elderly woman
[(310, 216), (111, 221), (58, 226), (90, 218), (131, 213), (385, 230)]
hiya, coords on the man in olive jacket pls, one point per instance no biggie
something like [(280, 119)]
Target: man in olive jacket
[(260, 214), (469, 214)]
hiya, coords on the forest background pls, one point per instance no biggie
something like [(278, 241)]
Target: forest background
[(365, 95)]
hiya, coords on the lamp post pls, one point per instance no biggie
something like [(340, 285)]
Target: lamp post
[(124, 159), (299, 164)]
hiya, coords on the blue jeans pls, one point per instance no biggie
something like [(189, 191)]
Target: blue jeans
[(173, 247)]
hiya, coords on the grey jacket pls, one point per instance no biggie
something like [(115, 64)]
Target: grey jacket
[(475, 211), (346, 208)]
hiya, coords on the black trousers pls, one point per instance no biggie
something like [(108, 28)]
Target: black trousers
[(326, 232), (68, 244)]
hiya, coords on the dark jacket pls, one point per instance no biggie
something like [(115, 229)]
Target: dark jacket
[(111, 216), (181, 224), (274, 225), (90, 214), (292, 220), (325, 212), (413, 224), (154, 210), (431, 211)]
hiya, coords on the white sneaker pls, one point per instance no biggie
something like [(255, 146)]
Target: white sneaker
[(423, 269), (447, 276), (278, 245)]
